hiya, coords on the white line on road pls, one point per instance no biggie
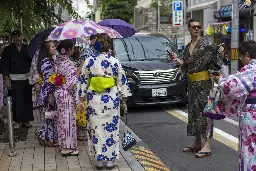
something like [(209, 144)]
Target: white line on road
[(232, 121), (222, 133)]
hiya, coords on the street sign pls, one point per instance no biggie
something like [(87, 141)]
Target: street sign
[(177, 16)]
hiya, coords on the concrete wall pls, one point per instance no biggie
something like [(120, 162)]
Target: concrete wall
[(199, 15), (146, 21), (143, 3)]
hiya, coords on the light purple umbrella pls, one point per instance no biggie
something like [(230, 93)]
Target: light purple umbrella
[(122, 27)]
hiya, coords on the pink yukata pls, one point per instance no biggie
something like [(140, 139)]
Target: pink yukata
[(66, 104), (235, 91)]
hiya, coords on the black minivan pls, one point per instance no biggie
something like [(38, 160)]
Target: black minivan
[(153, 78)]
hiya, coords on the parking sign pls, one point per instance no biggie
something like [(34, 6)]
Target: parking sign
[(177, 10)]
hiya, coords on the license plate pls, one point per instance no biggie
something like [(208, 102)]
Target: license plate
[(159, 92)]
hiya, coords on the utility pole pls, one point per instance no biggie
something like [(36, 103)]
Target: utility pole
[(185, 20), (158, 17), (235, 35)]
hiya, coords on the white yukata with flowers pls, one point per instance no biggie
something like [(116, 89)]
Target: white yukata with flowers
[(103, 109)]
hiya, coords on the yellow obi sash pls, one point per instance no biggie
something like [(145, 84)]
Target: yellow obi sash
[(100, 84), (199, 76)]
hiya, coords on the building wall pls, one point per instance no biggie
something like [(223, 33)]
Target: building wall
[(143, 3)]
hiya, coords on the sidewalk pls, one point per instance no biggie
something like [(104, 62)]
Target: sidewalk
[(33, 157)]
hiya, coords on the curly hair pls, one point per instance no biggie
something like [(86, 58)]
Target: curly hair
[(248, 47), (104, 41)]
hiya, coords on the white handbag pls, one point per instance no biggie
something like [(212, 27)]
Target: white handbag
[(50, 114)]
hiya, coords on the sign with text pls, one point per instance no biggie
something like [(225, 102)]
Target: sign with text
[(177, 13)]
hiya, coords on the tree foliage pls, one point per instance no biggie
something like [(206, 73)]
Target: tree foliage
[(35, 14), (118, 9), (165, 7)]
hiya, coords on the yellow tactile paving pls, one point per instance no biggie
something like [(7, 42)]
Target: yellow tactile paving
[(148, 159)]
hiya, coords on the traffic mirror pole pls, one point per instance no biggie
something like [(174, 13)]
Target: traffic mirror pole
[(235, 34), (12, 151)]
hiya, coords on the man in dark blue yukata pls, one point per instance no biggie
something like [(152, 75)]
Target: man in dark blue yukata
[(15, 66)]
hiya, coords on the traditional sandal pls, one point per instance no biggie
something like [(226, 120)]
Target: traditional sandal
[(69, 153), (66, 153), (202, 154), (74, 153), (99, 165), (191, 149)]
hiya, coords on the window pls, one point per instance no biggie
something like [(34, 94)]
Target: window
[(143, 48)]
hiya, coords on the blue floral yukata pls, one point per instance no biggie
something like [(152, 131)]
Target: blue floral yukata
[(48, 133), (103, 109)]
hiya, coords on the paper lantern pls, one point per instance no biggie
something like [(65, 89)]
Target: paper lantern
[(224, 30), (209, 31), (229, 28)]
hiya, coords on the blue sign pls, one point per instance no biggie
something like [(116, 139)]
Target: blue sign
[(226, 12), (177, 5)]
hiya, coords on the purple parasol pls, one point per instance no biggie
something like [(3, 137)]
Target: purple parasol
[(122, 27), (35, 43)]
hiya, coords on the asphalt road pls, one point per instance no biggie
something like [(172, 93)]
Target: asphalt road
[(166, 136)]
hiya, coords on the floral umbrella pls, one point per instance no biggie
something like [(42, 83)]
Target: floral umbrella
[(78, 28), (111, 32)]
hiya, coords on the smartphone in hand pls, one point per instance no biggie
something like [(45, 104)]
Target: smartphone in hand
[(214, 73), (172, 55)]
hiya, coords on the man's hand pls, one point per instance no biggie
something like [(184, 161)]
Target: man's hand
[(7, 83), (173, 57), (216, 76)]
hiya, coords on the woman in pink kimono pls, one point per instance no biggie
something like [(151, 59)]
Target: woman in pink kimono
[(65, 97), (238, 97)]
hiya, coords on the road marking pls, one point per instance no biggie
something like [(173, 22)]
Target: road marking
[(151, 160), (148, 160), (142, 153), (219, 135), (232, 121), (155, 166)]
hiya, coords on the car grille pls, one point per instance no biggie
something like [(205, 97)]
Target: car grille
[(157, 76)]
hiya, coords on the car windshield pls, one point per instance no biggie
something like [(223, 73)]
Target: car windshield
[(143, 48)]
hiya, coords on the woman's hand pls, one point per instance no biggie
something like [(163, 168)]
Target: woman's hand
[(37, 87), (79, 70), (124, 106), (81, 107), (51, 99)]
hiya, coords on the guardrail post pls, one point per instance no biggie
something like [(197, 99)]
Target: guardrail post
[(12, 151)]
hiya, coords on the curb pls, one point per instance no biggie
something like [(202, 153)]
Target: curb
[(141, 154)]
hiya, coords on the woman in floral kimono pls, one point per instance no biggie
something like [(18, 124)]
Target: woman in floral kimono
[(34, 79), (103, 111), (81, 131), (65, 96), (47, 135), (239, 97)]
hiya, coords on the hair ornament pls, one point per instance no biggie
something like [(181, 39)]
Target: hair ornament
[(62, 51)]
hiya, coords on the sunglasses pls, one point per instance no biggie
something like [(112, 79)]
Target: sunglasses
[(195, 27)]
